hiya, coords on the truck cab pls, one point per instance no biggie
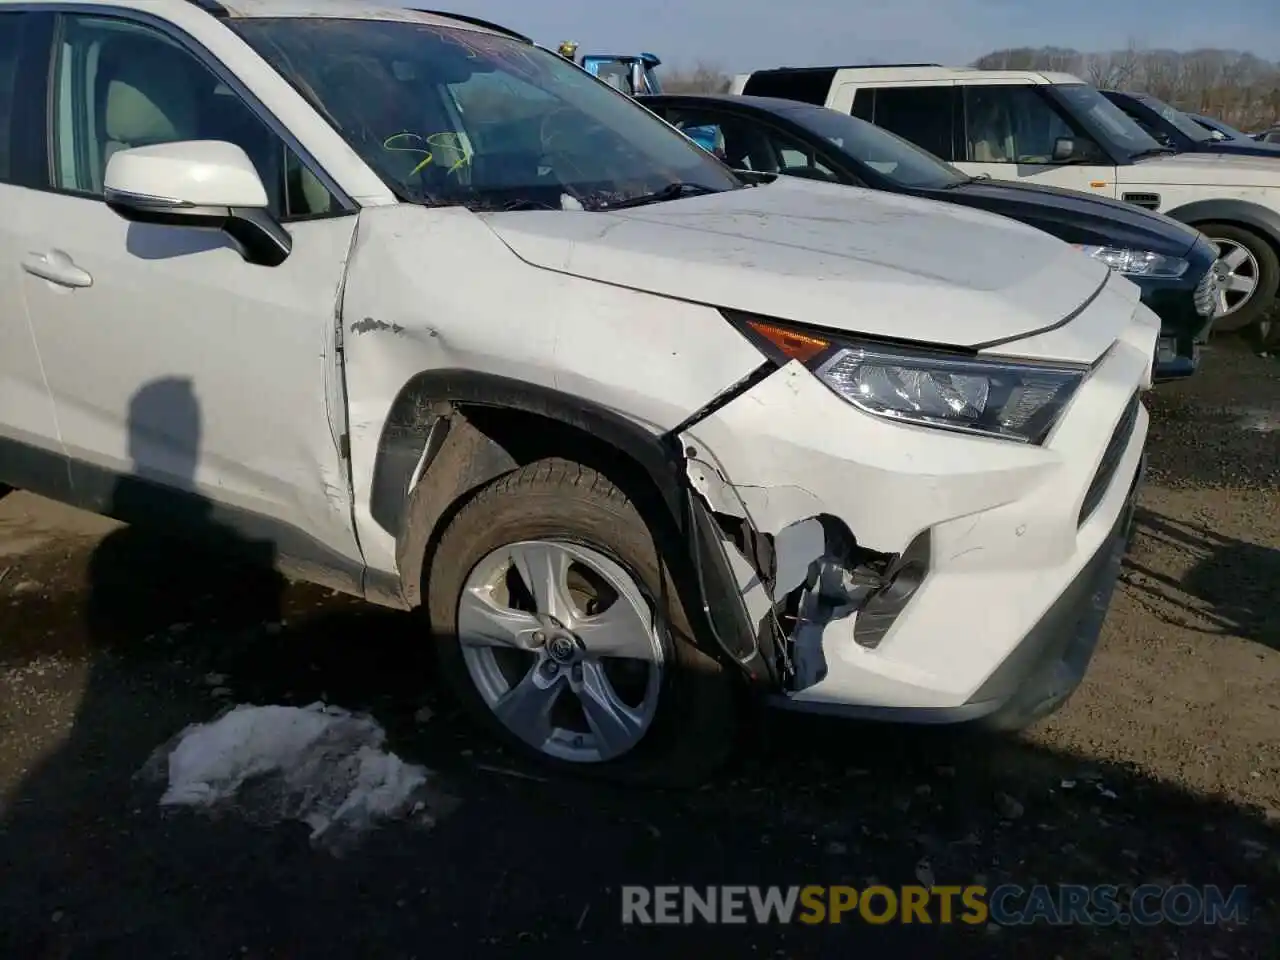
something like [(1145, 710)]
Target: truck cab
[(634, 75)]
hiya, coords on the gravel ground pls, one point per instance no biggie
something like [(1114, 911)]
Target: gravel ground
[(1164, 768)]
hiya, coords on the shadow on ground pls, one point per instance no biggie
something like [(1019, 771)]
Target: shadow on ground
[(92, 868), (1230, 587)]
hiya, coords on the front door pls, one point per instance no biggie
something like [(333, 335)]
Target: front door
[(1009, 134), (168, 356)]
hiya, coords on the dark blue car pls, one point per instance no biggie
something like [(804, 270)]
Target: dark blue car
[(1171, 127), (1172, 264)]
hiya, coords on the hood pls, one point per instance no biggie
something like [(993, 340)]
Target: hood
[(1245, 148), (1076, 217), (834, 256), (1202, 170)]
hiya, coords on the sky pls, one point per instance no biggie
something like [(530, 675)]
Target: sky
[(740, 35)]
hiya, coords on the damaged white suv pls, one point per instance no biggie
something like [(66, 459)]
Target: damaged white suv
[(438, 319)]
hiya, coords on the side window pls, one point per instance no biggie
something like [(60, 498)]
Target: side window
[(804, 85), (747, 145), (24, 68), (1011, 124), (864, 104), (922, 115), (703, 129), (120, 85), (12, 26), (798, 159)]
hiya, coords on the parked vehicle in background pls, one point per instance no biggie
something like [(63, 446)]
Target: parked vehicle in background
[(1223, 131), (1056, 129), (1170, 262), (1269, 136), (417, 309), (633, 74), (1171, 127)]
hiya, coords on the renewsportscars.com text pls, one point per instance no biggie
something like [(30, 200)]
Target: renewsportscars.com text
[(1006, 905)]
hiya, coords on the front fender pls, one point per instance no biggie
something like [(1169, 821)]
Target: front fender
[(452, 432)]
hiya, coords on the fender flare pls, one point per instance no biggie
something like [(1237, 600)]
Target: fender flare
[(436, 430), (1254, 215)]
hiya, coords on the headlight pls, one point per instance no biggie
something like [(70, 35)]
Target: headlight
[(1136, 263), (1008, 399)]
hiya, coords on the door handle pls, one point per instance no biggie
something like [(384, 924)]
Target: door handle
[(56, 267)]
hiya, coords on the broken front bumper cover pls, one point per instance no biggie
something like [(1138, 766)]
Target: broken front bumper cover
[(1042, 672), (1004, 545)]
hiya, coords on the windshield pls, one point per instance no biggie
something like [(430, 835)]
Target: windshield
[(886, 153), (1178, 119), (1231, 132), (449, 115), (1106, 119)]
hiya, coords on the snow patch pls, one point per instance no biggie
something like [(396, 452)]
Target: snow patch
[(320, 765)]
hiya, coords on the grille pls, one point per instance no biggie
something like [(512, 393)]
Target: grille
[(1149, 200), (1206, 295), (1110, 460)]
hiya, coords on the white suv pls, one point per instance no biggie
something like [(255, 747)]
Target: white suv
[(1054, 128), (430, 315)]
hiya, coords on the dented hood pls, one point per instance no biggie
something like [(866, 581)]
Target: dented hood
[(834, 256)]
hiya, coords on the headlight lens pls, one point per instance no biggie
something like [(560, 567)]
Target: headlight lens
[(1017, 401), (1006, 399), (1136, 263)]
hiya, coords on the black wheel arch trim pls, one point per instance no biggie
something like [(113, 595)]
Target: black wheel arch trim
[(1242, 212), (469, 458)]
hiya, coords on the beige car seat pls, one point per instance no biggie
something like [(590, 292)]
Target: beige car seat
[(149, 95), (153, 93), (991, 140)]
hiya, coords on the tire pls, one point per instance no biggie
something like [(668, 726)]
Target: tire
[(1253, 317), (570, 507)]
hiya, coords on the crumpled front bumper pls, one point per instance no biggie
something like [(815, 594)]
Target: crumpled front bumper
[(1021, 540)]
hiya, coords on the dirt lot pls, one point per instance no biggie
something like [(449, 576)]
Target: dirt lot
[(1165, 768)]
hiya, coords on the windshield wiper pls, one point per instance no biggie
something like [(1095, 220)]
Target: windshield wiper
[(672, 191), (954, 184), (1151, 151)]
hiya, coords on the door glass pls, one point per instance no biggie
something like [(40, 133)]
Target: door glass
[(24, 67), (122, 85), (745, 145), (797, 159), (864, 104), (920, 114), (1011, 124), (11, 30)]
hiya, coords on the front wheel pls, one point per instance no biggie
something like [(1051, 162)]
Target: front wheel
[(561, 629), (1251, 277)]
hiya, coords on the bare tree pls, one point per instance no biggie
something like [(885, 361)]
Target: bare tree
[(702, 78), (1240, 88)]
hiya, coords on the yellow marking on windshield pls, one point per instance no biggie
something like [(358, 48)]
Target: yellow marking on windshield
[(425, 146)]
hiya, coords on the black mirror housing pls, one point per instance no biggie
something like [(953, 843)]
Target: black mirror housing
[(260, 237)]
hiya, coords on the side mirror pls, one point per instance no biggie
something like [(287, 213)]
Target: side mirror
[(1161, 138), (1064, 149), (204, 184), (1075, 150)]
